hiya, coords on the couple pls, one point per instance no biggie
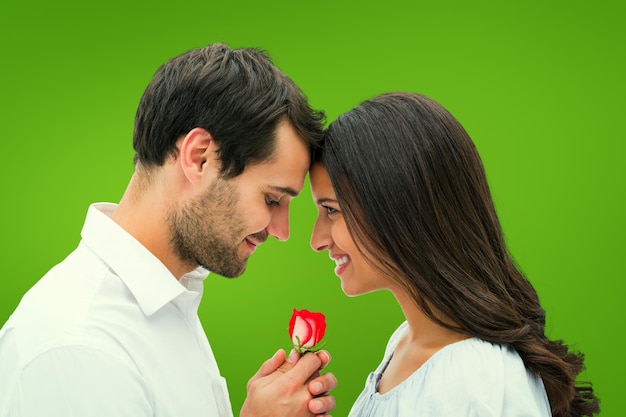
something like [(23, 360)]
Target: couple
[(223, 142)]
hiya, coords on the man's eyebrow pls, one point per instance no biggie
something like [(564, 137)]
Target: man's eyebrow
[(284, 190)]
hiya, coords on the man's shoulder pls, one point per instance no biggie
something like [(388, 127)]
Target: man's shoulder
[(55, 311)]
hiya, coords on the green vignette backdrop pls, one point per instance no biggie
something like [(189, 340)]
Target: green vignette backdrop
[(539, 86)]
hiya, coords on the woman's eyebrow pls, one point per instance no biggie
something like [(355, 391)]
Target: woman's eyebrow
[(325, 200)]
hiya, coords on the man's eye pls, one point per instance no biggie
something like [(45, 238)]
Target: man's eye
[(270, 201)]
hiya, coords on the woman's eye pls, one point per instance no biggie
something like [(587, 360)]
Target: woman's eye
[(330, 210)]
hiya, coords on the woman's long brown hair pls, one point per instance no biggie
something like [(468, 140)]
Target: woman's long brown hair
[(414, 194)]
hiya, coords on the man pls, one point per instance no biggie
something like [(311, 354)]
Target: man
[(223, 142)]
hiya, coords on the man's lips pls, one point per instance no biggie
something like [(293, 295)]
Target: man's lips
[(255, 240), (252, 243)]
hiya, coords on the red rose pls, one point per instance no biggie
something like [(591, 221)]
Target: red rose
[(306, 329)]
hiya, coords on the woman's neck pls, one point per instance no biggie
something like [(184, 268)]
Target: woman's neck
[(423, 339)]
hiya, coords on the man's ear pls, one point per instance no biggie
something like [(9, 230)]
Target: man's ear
[(198, 155)]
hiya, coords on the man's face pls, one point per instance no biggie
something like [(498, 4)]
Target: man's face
[(220, 228)]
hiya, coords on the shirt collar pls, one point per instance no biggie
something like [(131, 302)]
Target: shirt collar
[(150, 282)]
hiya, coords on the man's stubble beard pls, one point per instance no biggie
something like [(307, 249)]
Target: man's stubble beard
[(209, 229)]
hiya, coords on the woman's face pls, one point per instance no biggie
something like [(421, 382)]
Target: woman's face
[(331, 233)]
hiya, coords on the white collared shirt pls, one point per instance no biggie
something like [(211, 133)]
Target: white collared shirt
[(110, 332)]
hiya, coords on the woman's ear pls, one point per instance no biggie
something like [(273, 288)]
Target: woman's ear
[(198, 155)]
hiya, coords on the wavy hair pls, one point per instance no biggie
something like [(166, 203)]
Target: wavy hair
[(414, 194)]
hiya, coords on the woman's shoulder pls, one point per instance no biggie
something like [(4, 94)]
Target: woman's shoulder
[(471, 352), (472, 357), (471, 377), (476, 361), (480, 351), (483, 374)]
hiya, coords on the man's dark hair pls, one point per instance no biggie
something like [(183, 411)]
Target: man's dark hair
[(237, 95)]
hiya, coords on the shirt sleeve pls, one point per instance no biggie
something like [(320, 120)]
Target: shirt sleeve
[(78, 381)]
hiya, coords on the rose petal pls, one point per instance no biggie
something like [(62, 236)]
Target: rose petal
[(292, 322), (320, 329), (313, 339), (309, 327), (317, 321), (302, 330)]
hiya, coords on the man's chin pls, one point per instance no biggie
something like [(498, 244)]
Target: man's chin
[(228, 273), (236, 274)]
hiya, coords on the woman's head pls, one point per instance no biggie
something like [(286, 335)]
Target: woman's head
[(414, 195), (330, 232), (414, 198)]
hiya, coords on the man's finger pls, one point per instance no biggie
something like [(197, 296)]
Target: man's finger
[(324, 357), (323, 384), (291, 361), (269, 366), (307, 366), (322, 405)]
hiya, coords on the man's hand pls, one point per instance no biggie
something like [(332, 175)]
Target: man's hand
[(291, 388)]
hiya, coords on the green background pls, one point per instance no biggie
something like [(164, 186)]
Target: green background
[(539, 86)]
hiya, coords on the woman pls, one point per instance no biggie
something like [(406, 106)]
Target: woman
[(404, 205)]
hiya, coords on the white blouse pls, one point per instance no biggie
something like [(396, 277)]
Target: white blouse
[(470, 378)]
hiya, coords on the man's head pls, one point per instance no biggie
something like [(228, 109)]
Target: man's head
[(237, 95), (227, 138), (224, 220)]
